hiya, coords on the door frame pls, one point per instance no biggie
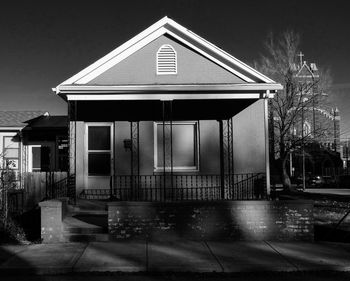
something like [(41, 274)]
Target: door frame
[(86, 150)]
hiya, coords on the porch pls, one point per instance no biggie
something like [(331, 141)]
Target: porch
[(167, 152)]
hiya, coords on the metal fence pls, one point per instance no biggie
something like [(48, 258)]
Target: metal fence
[(181, 187)]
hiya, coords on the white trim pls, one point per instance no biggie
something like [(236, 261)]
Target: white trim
[(157, 168), (30, 156), (117, 51), (3, 129), (67, 89), (112, 62), (225, 66), (86, 150), (154, 31), (267, 145), (162, 97)]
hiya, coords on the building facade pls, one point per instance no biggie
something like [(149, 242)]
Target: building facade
[(168, 111)]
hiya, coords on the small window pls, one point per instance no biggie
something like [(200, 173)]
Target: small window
[(166, 60)]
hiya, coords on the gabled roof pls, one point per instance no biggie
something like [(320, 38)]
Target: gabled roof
[(167, 26), (18, 118), (306, 72)]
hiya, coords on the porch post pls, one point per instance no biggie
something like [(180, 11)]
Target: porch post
[(267, 150), (222, 160), (72, 142)]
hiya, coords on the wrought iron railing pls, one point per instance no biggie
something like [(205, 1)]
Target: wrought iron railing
[(181, 187), (62, 188)]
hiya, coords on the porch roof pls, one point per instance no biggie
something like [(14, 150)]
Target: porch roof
[(152, 110)]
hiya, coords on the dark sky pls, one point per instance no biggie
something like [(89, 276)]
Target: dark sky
[(45, 42)]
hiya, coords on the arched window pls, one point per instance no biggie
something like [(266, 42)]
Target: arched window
[(166, 60), (307, 129)]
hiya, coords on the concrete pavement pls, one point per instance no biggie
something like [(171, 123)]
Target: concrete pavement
[(334, 191), (173, 256)]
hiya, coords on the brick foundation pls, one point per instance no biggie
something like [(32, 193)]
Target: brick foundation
[(235, 220)]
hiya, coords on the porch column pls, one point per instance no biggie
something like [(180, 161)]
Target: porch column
[(267, 150), (222, 160), (72, 157)]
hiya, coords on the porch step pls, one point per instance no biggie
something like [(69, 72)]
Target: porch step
[(85, 227), (84, 206), (95, 194), (97, 237)]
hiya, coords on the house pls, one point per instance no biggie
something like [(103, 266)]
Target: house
[(33, 145), (167, 108), (174, 132), (33, 141)]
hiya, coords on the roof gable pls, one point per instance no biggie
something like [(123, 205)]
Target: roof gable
[(305, 72), (168, 27), (141, 68)]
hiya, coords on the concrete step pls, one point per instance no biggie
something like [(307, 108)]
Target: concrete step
[(96, 237), (86, 204), (85, 224)]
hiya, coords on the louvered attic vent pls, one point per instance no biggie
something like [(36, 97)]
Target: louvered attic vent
[(166, 60)]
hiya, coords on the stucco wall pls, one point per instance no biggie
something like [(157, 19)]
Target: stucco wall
[(249, 139)]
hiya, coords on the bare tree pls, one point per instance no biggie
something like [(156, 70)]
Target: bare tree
[(7, 182), (300, 96)]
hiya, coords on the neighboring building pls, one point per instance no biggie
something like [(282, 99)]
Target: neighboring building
[(168, 110), (318, 124), (33, 141), (320, 116)]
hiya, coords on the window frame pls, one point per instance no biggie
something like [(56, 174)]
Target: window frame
[(196, 141), (30, 158), (5, 148), (87, 150)]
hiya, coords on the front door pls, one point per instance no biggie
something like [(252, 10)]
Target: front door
[(99, 155)]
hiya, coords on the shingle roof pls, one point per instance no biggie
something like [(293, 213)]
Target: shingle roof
[(57, 121), (17, 118)]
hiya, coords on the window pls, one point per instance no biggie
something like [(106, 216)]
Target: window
[(39, 158), (99, 150), (166, 60), (11, 152), (306, 129), (185, 146)]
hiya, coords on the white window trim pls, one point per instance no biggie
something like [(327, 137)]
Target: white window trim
[(30, 156), (86, 148), (157, 168), (170, 72), (2, 147)]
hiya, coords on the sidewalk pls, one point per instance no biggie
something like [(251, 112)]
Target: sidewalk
[(175, 256)]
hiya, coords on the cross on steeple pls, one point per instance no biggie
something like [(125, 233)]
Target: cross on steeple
[(300, 55)]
